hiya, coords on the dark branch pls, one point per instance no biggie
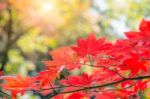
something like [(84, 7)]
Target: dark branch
[(98, 86), (5, 94)]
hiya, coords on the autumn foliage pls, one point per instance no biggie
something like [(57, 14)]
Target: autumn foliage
[(117, 70)]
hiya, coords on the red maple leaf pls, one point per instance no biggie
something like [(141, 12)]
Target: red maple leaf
[(134, 65), (106, 95), (83, 80), (100, 76), (144, 30), (63, 57), (90, 46), (78, 95), (47, 76), (140, 85), (19, 84), (126, 94), (127, 83), (145, 27)]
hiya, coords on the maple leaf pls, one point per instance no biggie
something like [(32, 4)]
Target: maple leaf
[(127, 83), (134, 65), (78, 95), (74, 95), (19, 84), (101, 75), (140, 85), (63, 57), (90, 46), (144, 30), (145, 27), (126, 94), (106, 95), (47, 76), (83, 80), (60, 96), (120, 50), (133, 34)]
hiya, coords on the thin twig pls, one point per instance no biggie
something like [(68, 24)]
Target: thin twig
[(106, 69), (5, 94)]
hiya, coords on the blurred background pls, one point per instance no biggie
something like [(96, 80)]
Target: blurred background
[(29, 29)]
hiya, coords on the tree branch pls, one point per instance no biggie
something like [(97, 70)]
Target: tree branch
[(9, 34), (97, 86), (5, 94)]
